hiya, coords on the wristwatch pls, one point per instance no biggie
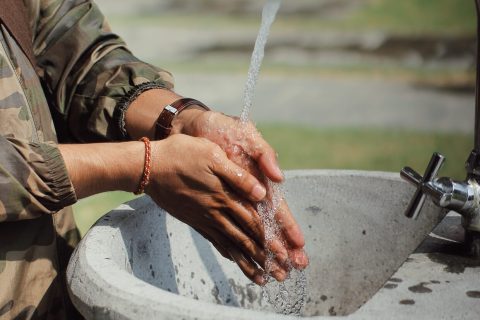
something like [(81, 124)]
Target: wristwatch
[(163, 126)]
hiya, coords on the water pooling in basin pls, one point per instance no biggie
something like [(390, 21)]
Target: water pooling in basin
[(287, 297)]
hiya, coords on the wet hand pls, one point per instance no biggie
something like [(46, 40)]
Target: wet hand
[(231, 135), (193, 179), (245, 146)]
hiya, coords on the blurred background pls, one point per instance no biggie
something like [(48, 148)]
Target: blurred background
[(347, 84)]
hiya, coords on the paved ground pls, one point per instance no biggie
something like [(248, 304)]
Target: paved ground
[(336, 102)]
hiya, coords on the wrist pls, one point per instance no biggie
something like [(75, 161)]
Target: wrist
[(143, 112), (185, 119), (127, 175), (96, 168)]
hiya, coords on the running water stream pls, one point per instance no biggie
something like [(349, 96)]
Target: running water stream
[(268, 17), (287, 297)]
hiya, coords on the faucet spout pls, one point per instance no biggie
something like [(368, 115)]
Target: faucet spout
[(459, 196)]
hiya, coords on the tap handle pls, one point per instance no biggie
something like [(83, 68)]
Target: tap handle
[(410, 175)]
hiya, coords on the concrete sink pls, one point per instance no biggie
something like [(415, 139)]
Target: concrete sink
[(137, 262)]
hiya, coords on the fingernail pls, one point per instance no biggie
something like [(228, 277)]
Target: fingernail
[(259, 192), (259, 279), (281, 253), (280, 275), (301, 261), (278, 171)]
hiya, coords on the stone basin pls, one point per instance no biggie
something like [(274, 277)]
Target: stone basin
[(138, 262)]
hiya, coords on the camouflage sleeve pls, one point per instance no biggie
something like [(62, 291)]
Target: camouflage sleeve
[(33, 180), (85, 68)]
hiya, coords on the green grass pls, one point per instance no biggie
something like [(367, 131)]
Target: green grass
[(417, 16), (306, 148), (87, 211), (366, 149)]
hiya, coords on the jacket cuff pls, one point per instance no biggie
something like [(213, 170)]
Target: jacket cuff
[(55, 176)]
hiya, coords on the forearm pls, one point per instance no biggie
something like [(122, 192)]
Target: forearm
[(101, 167), (142, 114)]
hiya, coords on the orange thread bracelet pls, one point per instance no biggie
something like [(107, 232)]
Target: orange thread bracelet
[(146, 168)]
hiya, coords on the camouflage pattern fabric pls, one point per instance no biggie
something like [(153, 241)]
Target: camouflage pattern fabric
[(82, 70)]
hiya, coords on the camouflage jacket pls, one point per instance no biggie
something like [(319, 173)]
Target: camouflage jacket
[(67, 92)]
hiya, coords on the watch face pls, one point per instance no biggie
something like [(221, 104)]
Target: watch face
[(171, 109)]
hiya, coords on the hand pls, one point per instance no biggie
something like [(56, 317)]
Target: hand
[(233, 136), (244, 145), (193, 179)]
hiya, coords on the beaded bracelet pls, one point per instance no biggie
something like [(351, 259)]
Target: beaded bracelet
[(125, 102), (146, 168)]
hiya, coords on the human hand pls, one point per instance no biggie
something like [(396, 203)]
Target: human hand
[(239, 140), (245, 146), (192, 179)]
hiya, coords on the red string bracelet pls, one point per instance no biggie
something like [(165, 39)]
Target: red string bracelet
[(146, 168)]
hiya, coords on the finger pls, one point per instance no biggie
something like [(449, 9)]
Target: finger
[(250, 222), (239, 179), (293, 236), (227, 229), (246, 217), (264, 155), (215, 243), (279, 251), (247, 264), (298, 258), (267, 161), (248, 267), (276, 271), (248, 247), (290, 228)]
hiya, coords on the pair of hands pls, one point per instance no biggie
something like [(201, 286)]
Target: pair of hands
[(213, 173)]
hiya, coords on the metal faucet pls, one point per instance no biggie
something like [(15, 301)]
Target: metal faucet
[(460, 196)]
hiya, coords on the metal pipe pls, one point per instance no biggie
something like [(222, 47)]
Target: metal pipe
[(477, 88)]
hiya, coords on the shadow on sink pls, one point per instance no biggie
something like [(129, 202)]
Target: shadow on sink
[(446, 245)]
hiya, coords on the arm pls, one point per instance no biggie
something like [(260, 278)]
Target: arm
[(85, 68), (87, 71), (242, 144)]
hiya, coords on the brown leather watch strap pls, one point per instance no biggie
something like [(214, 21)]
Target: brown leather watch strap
[(163, 126)]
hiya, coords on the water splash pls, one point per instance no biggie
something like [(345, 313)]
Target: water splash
[(287, 297), (268, 16)]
